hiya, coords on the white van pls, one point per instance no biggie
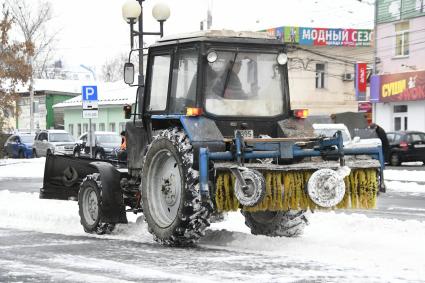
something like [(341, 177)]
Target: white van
[(328, 130)]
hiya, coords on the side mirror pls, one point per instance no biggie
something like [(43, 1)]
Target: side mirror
[(356, 139), (127, 111), (128, 73), (44, 141)]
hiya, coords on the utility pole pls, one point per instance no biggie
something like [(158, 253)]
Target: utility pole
[(375, 52), (375, 37), (31, 91)]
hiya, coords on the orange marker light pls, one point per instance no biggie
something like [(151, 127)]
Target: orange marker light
[(193, 111), (301, 113)]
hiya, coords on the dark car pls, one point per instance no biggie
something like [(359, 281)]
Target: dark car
[(105, 146), (406, 146), (19, 146)]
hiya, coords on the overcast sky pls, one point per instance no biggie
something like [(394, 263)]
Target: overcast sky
[(93, 30)]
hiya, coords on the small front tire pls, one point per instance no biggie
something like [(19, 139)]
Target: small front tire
[(89, 206)]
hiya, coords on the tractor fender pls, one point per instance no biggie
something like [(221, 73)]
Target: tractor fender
[(112, 206)]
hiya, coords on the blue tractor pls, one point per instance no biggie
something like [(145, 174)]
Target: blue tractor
[(213, 131)]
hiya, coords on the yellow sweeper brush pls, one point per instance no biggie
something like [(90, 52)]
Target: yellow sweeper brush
[(287, 190)]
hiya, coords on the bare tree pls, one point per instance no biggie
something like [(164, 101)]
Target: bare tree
[(14, 69), (32, 21), (113, 69)]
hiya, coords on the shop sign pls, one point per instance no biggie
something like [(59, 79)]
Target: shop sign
[(366, 107), (408, 86), (323, 36), (361, 80)]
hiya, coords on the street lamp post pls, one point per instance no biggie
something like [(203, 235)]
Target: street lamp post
[(132, 12)]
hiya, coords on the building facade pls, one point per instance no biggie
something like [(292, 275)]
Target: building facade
[(111, 99), (398, 89), (46, 94), (322, 66)]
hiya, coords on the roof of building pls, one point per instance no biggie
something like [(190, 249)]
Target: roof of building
[(65, 86), (117, 93)]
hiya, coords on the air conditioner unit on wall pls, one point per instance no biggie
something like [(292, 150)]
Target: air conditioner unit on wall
[(347, 77)]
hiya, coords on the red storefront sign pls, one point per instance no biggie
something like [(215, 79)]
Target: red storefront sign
[(361, 77), (407, 86), (361, 81)]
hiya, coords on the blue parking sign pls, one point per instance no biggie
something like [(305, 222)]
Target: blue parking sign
[(89, 93)]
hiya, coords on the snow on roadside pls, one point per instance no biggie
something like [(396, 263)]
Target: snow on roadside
[(22, 168), (387, 249), (404, 175), (404, 187)]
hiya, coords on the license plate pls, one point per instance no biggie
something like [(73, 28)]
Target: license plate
[(246, 134), (419, 145)]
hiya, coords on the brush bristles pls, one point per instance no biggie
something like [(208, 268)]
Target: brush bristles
[(287, 190)]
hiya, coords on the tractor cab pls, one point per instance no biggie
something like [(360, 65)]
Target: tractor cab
[(236, 79)]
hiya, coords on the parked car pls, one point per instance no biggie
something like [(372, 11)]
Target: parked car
[(19, 146), (406, 146), (105, 145), (53, 142), (328, 130)]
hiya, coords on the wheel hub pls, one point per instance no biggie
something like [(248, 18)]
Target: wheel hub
[(164, 187), (168, 190)]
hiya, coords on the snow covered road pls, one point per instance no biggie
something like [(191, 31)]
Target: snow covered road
[(42, 240)]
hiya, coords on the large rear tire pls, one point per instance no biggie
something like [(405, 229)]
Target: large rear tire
[(276, 223), (170, 191), (89, 200)]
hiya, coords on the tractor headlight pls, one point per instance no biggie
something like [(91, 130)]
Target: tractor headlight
[(282, 58), (326, 187), (212, 56)]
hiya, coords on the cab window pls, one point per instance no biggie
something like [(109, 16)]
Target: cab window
[(159, 82), (184, 82)]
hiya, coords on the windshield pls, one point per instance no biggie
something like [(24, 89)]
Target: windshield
[(116, 139), (61, 137), (244, 84), (331, 133), (27, 139)]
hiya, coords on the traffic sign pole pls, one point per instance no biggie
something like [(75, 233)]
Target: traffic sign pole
[(90, 110), (90, 139)]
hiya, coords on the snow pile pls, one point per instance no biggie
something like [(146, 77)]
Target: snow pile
[(55, 216), (22, 168), (353, 244), (404, 175)]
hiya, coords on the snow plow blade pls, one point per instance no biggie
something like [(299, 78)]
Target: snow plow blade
[(64, 174)]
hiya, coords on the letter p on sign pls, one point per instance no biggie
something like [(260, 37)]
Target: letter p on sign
[(89, 93)]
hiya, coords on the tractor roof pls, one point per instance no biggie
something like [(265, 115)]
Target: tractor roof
[(220, 36)]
